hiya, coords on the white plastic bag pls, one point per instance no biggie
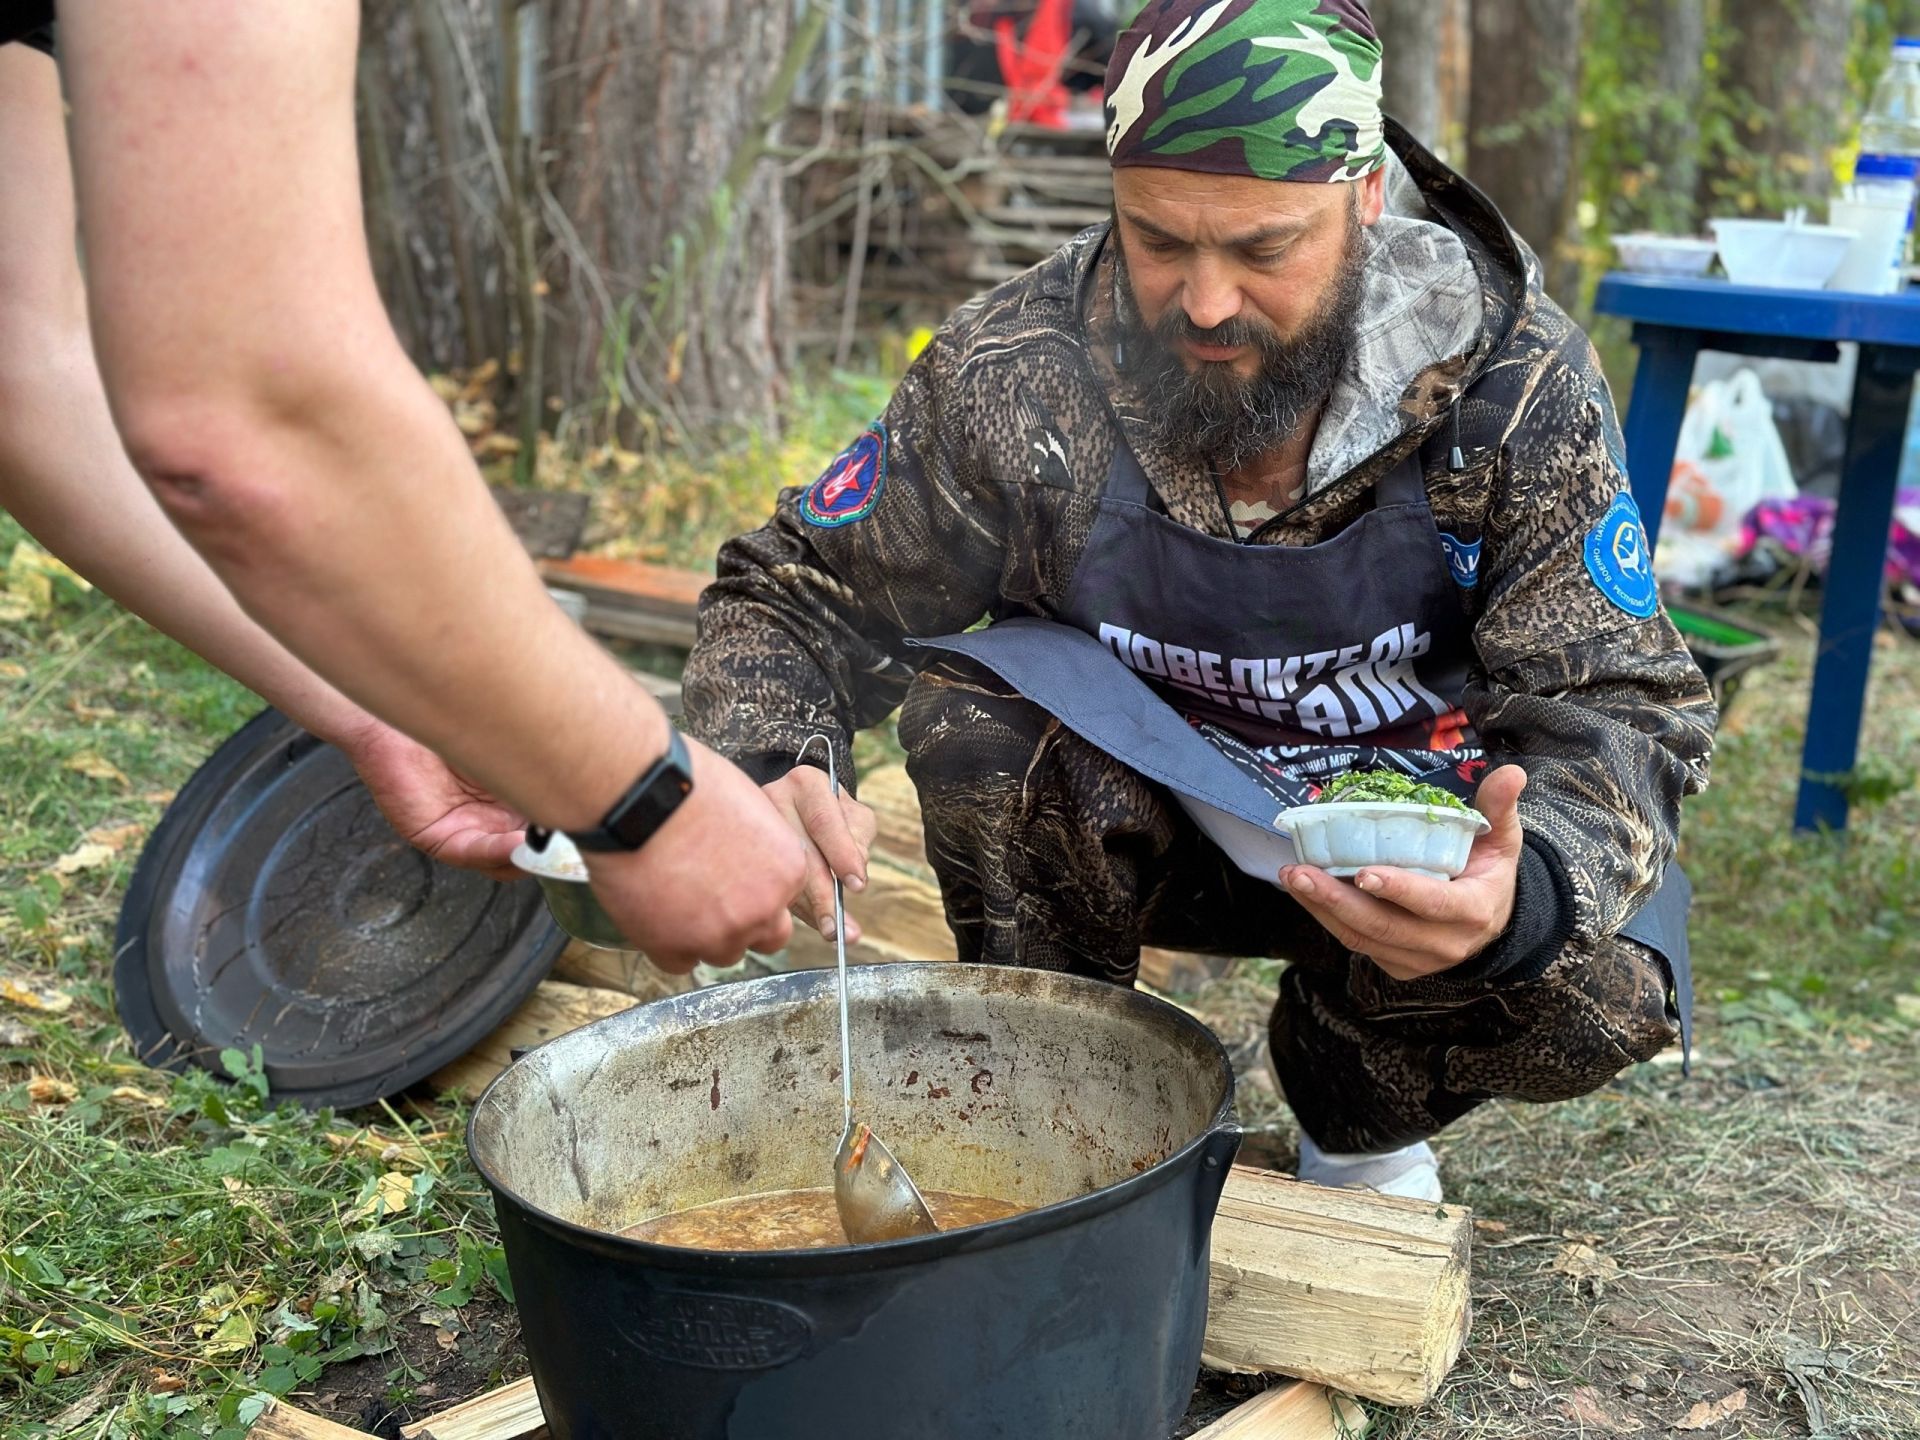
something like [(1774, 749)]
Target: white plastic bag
[(1730, 458)]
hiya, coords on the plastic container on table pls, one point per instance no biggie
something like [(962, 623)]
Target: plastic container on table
[(1779, 255), (1680, 256)]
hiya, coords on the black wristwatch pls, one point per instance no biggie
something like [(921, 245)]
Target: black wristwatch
[(638, 814)]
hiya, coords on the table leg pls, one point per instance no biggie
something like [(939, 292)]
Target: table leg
[(1660, 388), (1855, 585)]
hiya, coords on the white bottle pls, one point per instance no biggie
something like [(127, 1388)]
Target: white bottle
[(1890, 135)]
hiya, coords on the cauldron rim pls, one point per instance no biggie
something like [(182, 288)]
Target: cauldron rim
[(1205, 1147)]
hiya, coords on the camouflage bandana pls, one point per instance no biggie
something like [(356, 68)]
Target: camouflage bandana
[(1274, 89)]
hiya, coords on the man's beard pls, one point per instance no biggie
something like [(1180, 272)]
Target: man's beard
[(1222, 419)]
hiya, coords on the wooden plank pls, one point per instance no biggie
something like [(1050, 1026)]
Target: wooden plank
[(901, 837), (553, 1009), (1293, 1411), (896, 806), (1298, 1411), (288, 1422), (620, 970), (901, 917), (509, 1413), (1359, 1291), (660, 586), (632, 600)]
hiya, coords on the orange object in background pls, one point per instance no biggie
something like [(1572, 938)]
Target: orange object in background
[(1692, 502), (1031, 67)]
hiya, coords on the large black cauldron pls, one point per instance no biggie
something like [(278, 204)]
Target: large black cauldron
[(1107, 1110)]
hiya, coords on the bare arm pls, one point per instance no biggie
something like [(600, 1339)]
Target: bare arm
[(264, 397), (63, 473)]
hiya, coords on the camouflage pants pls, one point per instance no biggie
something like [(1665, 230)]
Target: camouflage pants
[(1052, 854)]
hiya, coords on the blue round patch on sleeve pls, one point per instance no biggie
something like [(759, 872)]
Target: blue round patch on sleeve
[(851, 485), (1620, 562)]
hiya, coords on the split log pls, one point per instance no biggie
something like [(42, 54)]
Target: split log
[(510, 1413), (553, 1009), (1298, 1411), (288, 1422), (1362, 1292)]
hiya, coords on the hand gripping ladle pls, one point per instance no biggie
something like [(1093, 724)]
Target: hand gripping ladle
[(875, 1196)]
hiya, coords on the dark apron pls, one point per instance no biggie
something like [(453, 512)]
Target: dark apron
[(1242, 677)]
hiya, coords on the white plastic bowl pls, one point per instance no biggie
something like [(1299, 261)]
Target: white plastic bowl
[(1665, 254), (1769, 253), (1344, 838)]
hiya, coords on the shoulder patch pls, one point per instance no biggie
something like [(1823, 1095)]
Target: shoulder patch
[(1618, 560), (851, 485), (1463, 559)]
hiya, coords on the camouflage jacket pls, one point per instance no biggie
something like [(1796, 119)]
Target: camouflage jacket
[(996, 449)]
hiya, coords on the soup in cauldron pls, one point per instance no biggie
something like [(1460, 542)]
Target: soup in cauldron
[(795, 1220)]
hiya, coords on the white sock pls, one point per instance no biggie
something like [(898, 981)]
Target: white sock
[(1411, 1172)]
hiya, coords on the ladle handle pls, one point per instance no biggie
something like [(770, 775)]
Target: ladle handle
[(839, 948)]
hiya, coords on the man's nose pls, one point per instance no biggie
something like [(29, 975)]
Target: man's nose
[(1209, 298)]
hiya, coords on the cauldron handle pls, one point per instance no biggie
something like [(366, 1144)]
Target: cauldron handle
[(1216, 1164)]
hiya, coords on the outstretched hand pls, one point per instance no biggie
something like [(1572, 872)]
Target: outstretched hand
[(1412, 926), (433, 807)]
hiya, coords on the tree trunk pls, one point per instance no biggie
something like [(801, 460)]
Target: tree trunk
[(667, 284), (1664, 51), (432, 225), (1524, 127), (1784, 75), (1410, 33)]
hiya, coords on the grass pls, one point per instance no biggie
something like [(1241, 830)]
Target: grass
[(174, 1250)]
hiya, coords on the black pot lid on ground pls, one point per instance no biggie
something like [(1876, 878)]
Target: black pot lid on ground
[(275, 907)]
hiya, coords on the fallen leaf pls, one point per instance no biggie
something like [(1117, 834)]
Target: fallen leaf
[(159, 797), (447, 1340), (96, 767), (1709, 1413), (1583, 1262), (392, 1194), (116, 837), (12, 670), (165, 1382), (1907, 1007), (473, 418), (495, 444), (90, 712), (134, 1095), (1518, 1381), (90, 856), (31, 572), (45, 1090), (14, 1035), (1491, 1227), (445, 386), (233, 1335), (35, 997), (1585, 1407)]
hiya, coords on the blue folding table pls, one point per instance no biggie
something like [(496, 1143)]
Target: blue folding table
[(1673, 321)]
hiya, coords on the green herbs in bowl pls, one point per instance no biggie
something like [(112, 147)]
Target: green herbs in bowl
[(1375, 817), (1385, 787)]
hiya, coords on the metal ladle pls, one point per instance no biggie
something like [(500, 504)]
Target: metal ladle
[(875, 1196)]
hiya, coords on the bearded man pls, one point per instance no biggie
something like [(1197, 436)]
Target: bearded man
[(1291, 469)]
